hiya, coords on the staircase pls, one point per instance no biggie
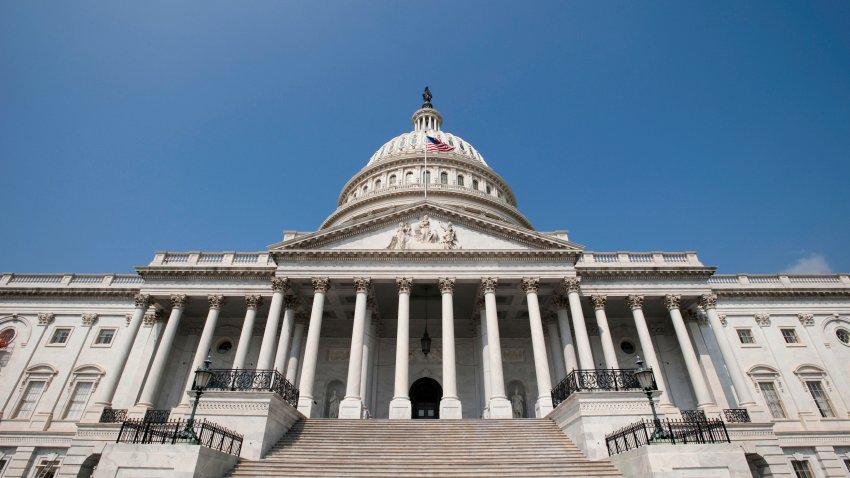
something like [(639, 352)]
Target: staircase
[(318, 447)]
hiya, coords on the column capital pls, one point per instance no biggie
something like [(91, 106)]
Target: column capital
[(253, 301), (722, 318), (179, 301), (216, 301), (488, 285), (142, 301), (89, 319), (672, 301), (280, 284), (45, 318), (762, 319), (571, 284), (447, 285), (361, 284), (151, 317), (635, 302), (404, 285), (708, 301), (807, 320), (530, 285), (560, 301), (321, 284), (598, 302)]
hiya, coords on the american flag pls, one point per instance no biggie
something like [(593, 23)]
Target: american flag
[(435, 144)]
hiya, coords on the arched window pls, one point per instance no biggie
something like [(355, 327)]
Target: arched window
[(489, 190), (444, 178), (459, 180), (377, 184), (365, 188), (408, 178)]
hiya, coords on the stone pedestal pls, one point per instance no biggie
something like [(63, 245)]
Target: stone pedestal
[(166, 461), (500, 408), (543, 406), (351, 408), (400, 408), (450, 409), (720, 460)]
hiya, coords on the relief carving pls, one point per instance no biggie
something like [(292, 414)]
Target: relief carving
[(423, 236)]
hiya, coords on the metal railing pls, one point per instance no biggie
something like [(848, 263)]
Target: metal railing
[(675, 432), (209, 434), (113, 415), (250, 379), (157, 416), (597, 379), (694, 415), (736, 415)]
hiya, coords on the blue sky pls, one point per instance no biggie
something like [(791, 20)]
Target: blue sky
[(131, 127)]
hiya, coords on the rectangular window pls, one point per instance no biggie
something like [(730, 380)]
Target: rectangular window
[(802, 469), (104, 337), (60, 335), (28, 400), (46, 468), (78, 400), (768, 390), (746, 336), (821, 400), (790, 336)]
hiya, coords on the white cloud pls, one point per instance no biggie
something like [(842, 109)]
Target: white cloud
[(811, 264)]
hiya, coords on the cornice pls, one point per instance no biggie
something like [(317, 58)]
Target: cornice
[(380, 255), (637, 273), (188, 272), (808, 292)]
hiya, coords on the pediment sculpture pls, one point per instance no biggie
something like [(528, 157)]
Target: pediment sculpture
[(423, 236)]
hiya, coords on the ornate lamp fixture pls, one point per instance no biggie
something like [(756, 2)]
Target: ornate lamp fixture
[(203, 375), (425, 341), (646, 380)]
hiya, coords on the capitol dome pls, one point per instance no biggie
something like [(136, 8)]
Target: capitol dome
[(456, 176)]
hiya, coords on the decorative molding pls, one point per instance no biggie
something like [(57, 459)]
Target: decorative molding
[(129, 318), (530, 285), (635, 302), (447, 285), (722, 318), (489, 284), (560, 301), (598, 302), (89, 319), (806, 319), (320, 284), (143, 301), (361, 285), (253, 302), (708, 301), (762, 319), (672, 301), (179, 301), (215, 301), (572, 284), (280, 284), (404, 285), (45, 318)]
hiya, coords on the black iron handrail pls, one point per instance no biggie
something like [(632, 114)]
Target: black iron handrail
[(113, 415), (595, 379), (736, 415), (169, 432), (251, 379), (675, 432)]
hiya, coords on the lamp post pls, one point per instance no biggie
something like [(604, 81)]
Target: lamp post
[(646, 380), (203, 375)]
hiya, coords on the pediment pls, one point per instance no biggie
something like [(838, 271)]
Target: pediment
[(427, 227)]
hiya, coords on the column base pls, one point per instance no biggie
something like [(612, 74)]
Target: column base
[(500, 407), (450, 409), (351, 408), (543, 406), (400, 409), (306, 406)]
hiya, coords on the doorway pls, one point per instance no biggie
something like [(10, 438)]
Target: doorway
[(425, 395)]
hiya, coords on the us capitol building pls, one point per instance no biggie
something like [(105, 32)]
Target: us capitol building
[(427, 294)]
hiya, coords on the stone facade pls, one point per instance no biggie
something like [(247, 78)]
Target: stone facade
[(341, 313)]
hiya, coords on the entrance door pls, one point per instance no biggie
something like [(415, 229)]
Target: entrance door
[(425, 395)]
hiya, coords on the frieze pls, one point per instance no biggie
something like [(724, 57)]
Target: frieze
[(424, 236)]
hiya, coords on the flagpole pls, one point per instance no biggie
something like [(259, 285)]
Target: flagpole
[(425, 173)]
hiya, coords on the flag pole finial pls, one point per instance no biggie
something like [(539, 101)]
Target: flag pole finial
[(426, 96)]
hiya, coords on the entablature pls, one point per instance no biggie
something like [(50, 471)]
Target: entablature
[(781, 285), (69, 285)]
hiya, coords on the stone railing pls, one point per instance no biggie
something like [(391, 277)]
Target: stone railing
[(778, 280), (417, 186), (128, 281), (633, 259), (217, 259)]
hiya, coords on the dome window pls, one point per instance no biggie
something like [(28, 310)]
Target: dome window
[(401, 143), (377, 184), (444, 178), (475, 184), (428, 177), (461, 146), (451, 143), (459, 180), (408, 178), (489, 190), (392, 180), (365, 189), (414, 139)]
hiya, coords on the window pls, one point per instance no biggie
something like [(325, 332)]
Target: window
[(790, 336), (60, 335), (774, 403), (843, 336), (392, 180), (444, 178), (821, 400), (475, 184), (489, 190), (104, 337), (79, 399), (428, 177), (746, 336), (460, 180), (6, 338), (46, 468), (627, 347), (802, 469), (365, 189), (408, 178), (29, 399)]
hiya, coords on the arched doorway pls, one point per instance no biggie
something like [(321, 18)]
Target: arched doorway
[(425, 395)]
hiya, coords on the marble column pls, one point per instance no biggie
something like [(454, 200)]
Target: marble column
[(543, 405), (608, 350), (352, 404), (485, 356), (400, 405), (450, 406), (205, 343), (311, 348), (739, 383), (555, 345), (148, 397), (267, 347), (635, 302), (585, 355), (289, 304), (671, 302), (368, 344), (569, 353), (253, 302), (109, 383), (500, 406), (295, 350)]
